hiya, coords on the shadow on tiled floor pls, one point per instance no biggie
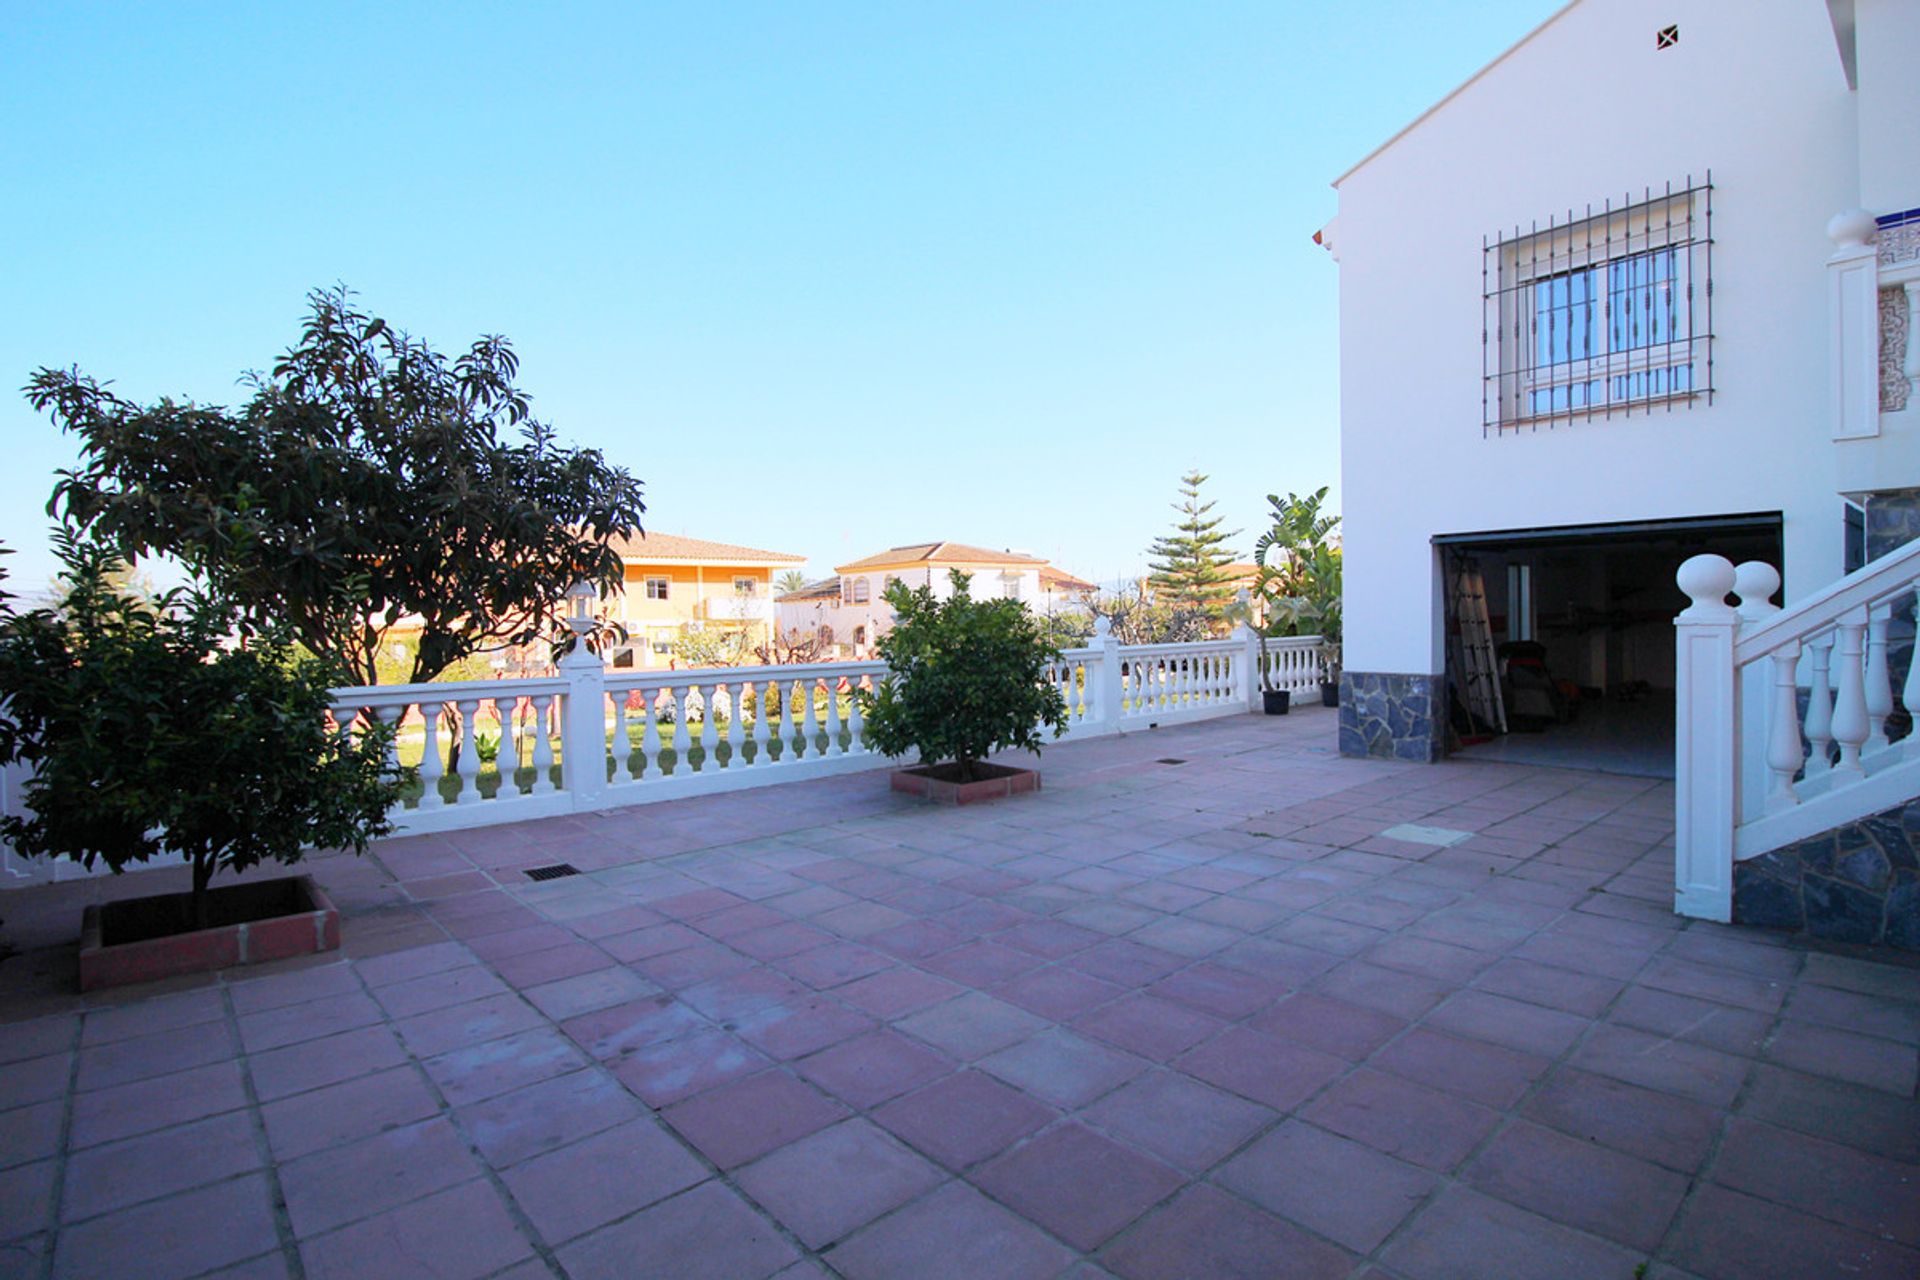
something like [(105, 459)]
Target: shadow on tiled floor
[(1159, 1020)]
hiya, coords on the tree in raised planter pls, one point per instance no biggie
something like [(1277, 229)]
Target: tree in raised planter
[(967, 678), (173, 727)]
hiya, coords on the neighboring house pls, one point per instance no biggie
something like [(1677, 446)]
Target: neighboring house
[(1609, 304), (676, 584), (848, 613)]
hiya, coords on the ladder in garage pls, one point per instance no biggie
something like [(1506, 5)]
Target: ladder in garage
[(1473, 647)]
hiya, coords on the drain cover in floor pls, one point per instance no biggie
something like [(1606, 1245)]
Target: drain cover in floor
[(1445, 837), (553, 872)]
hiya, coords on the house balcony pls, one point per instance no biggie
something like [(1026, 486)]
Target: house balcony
[(1140, 1022), (737, 609)]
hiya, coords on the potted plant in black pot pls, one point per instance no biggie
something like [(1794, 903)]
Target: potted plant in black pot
[(167, 727), (967, 678), (1299, 579)]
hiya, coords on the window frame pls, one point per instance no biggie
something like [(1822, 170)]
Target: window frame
[(1523, 358), (653, 580)]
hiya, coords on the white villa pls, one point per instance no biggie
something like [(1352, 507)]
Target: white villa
[(847, 611), (1644, 287)]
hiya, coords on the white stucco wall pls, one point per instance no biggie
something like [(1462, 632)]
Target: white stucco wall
[(1755, 92), (1887, 56)]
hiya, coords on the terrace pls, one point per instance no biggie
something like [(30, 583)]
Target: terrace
[(1215, 1003)]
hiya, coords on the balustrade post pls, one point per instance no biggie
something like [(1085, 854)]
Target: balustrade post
[(1850, 724), (1754, 583), (583, 727), (1706, 731), (1819, 708), (467, 761), (1246, 660), (1785, 750), (433, 765), (1879, 679), (1109, 695)]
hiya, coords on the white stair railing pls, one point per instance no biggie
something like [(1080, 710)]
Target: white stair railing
[(1755, 772)]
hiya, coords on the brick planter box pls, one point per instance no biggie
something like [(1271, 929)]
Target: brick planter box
[(132, 941), (997, 781)]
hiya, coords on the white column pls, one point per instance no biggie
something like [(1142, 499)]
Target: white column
[(583, 727), (1704, 741), (650, 734), (467, 762), (1104, 702), (1754, 583)]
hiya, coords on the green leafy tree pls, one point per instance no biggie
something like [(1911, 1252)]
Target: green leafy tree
[(1132, 618), (170, 726), (968, 678), (791, 580), (1189, 565), (364, 484)]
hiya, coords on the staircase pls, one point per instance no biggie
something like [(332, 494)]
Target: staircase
[(1782, 737)]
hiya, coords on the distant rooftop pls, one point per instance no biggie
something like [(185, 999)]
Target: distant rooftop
[(939, 553), (824, 589), (653, 548)]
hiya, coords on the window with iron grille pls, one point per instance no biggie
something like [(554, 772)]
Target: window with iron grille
[(1604, 311)]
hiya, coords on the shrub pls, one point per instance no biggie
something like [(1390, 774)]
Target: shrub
[(157, 727), (969, 677)]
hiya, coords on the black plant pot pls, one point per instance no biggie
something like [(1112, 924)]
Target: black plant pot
[(1274, 701), (1329, 693)]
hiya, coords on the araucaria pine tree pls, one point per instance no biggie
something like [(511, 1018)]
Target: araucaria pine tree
[(1189, 565)]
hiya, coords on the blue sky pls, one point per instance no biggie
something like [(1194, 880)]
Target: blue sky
[(827, 277)]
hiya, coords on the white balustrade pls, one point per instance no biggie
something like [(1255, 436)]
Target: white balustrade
[(746, 726), (1753, 771)]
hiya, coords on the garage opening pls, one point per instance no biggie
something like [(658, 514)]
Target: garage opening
[(1560, 643)]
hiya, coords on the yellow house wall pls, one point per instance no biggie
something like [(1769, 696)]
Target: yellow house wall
[(689, 587)]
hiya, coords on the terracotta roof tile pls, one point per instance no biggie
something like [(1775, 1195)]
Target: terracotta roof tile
[(659, 547), (938, 553)]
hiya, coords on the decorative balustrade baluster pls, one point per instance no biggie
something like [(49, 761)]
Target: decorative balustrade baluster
[(1784, 747), (734, 736), (709, 732), (856, 728), (682, 740), (809, 720), (390, 717), (542, 745), (1910, 689), (1879, 681), (649, 733), (783, 693), (757, 733), (834, 746), (467, 763), (620, 746), (1850, 724), (1819, 708), (433, 765)]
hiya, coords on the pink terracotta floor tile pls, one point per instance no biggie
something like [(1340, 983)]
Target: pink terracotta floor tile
[(708, 1233), (745, 1120), (1347, 1192), (1077, 1184), (964, 1118), (179, 1236), (870, 1069), (1209, 1233), (954, 1234), (1190, 1125), (346, 1112), (461, 1233), (828, 1185), (598, 1180)]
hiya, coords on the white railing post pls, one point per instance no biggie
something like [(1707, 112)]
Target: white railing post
[(1109, 695), (1879, 681), (583, 722), (1706, 734), (1247, 660), (1850, 724)]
